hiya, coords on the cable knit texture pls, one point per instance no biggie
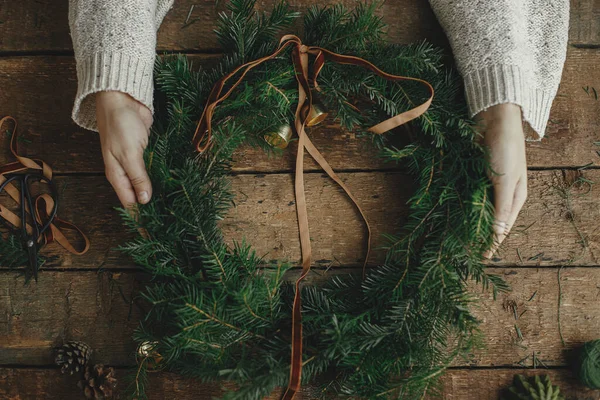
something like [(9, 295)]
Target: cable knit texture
[(115, 49), (508, 51)]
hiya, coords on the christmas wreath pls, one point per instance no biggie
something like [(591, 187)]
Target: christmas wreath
[(221, 313)]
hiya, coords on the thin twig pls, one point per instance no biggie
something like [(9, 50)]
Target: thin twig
[(309, 360), (219, 321), (189, 14), (428, 183), (519, 334), (137, 375), (216, 346), (278, 91), (251, 311), (189, 327), (532, 296)]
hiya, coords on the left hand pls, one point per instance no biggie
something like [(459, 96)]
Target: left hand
[(504, 137)]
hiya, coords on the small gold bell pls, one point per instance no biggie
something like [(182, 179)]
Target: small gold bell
[(281, 137), (317, 114), (147, 351)]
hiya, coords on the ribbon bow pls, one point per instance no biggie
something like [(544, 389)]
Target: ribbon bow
[(42, 209), (300, 52)]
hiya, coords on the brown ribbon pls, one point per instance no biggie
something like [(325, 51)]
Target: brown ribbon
[(44, 203), (300, 52)]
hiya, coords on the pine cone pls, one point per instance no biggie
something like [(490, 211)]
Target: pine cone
[(99, 382), (73, 357), (533, 388)]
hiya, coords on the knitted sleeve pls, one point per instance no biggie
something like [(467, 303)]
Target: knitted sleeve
[(115, 48), (508, 51)]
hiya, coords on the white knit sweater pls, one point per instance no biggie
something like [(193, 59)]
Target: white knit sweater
[(508, 51), (115, 49)]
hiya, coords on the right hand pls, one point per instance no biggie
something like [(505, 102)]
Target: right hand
[(124, 126), (504, 137)]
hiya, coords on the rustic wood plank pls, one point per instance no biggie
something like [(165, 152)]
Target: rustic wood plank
[(96, 308), (515, 327), (574, 117), (31, 26), (584, 24), (457, 384), (548, 232), (90, 203), (34, 26), (488, 384), (551, 228), (32, 384), (265, 203), (90, 306), (29, 94), (408, 20)]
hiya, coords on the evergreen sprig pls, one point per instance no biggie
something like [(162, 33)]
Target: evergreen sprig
[(221, 313), (13, 255), (11, 251)]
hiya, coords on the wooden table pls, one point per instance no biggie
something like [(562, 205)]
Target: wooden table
[(553, 250)]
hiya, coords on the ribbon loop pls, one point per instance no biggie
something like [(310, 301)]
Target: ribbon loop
[(44, 204), (300, 60)]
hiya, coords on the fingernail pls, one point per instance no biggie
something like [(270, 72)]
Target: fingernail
[(143, 197), (499, 228)]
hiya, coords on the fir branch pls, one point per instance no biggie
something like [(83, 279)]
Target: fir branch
[(217, 315)]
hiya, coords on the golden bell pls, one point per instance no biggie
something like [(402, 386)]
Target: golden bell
[(281, 137), (147, 351), (317, 114)]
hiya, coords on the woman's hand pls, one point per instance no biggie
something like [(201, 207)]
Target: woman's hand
[(124, 126), (503, 135)]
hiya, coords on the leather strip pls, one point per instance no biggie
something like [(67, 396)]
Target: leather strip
[(43, 203), (202, 140)]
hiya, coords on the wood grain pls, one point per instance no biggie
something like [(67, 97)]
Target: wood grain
[(515, 327), (29, 94), (97, 308), (584, 25), (90, 203), (90, 306), (548, 232), (265, 206), (32, 384), (489, 384), (90, 297), (33, 26)]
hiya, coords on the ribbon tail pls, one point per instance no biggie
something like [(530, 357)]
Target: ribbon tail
[(318, 157), (300, 64), (300, 59)]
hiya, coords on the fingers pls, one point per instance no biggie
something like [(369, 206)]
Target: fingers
[(136, 172), (129, 179), (119, 180), (123, 125), (518, 202), (509, 200)]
